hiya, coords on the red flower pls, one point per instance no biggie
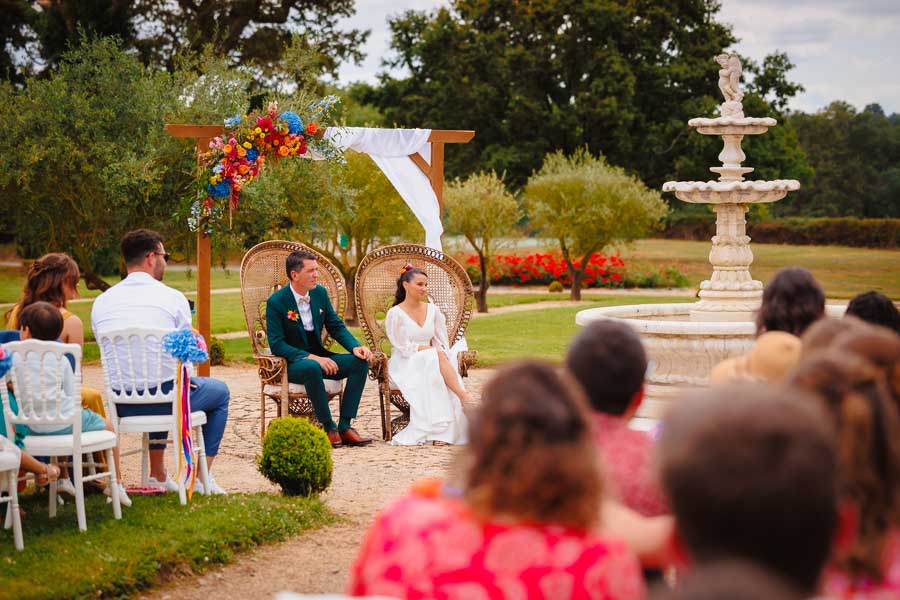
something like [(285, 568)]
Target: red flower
[(264, 123)]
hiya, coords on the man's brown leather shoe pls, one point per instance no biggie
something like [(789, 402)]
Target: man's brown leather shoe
[(335, 438), (351, 437)]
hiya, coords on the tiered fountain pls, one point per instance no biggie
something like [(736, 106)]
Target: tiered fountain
[(685, 341)]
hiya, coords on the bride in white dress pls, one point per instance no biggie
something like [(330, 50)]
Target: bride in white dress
[(422, 366)]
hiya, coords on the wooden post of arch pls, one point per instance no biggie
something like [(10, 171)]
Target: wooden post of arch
[(204, 133)]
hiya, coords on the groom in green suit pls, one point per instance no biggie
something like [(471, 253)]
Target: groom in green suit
[(295, 315)]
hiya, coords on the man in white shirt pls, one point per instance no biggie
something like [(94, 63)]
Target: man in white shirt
[(142, 300)]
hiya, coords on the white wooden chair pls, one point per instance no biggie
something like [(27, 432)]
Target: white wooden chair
[(10, 457), (40, 404), (133, 364)]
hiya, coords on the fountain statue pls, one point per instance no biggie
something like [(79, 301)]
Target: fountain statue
[(684, 341)]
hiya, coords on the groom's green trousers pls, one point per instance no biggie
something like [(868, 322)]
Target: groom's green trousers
[(309, 374)]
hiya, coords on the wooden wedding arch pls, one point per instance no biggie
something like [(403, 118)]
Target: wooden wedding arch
[(204, 133)]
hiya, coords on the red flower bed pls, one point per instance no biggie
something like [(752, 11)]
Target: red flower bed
[(542, 269)]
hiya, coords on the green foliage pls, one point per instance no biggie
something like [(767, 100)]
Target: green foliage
[(481, 210), (155, 538), (555, 287), (855, 156), (654, 276), (216, 351), (586, 204), (297, 456)]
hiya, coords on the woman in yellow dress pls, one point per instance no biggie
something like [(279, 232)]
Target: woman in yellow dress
[(54, 278)]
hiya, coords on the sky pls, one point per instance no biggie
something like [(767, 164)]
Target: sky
[(843, 49)]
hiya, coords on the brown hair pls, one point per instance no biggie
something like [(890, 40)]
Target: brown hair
[(294, 261), (880, 347), (751, 473), (405, 277), (868, 440), (730, 579), (46, 279), (875, 308), (822, 333), (608, 360), (43, 320), (791, 302), (531, 456), (137, 244)]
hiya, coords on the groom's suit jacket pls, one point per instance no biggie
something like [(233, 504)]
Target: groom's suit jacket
[(289, 339)]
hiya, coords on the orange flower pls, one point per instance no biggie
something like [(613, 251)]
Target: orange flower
[(227, 149), (284, 151), (243, 169), (312, 128)]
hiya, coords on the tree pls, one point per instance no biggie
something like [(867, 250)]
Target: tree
[(341, 211), (481, 209), (587, 204), (620, 78), (91, 159), (249, 32)]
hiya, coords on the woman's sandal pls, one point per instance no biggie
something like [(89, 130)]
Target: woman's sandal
[(440, 443)]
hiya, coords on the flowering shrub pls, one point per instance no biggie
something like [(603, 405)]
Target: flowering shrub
[(234, 160), (544, 269)]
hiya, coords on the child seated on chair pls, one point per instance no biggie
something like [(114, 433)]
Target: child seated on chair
[(43, 321)]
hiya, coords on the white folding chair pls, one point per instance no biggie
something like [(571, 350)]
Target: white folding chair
[(10, 456), (136, 370), (40, 401)]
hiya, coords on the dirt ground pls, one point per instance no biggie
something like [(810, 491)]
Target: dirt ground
[(364, 480)]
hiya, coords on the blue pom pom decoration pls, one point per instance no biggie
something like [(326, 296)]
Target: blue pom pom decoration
[(220, 190), (295, 125), (5, 362), (233, 121), (186, 346)]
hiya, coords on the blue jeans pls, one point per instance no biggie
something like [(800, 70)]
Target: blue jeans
[(207, 394)]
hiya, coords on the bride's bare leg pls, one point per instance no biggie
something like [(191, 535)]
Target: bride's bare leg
[(451, 377)]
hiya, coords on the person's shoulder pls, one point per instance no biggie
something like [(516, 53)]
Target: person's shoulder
[(278, 294)]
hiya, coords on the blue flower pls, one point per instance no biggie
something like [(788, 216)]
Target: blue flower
[(185, 346), (252, 153), (218, 168), (295, 125), (5, 364), (220, 190), (233, 121)]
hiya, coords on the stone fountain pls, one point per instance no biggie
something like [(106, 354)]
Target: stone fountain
[(684, 341)]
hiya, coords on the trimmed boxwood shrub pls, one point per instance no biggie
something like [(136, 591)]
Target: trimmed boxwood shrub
[(555, 287), (216, 351), (297, 456)]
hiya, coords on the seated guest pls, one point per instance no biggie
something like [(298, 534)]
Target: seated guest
[(751, 474), (43, 321), (520, 526), (868, 434), (878, 346), (608, 360), (875, 308), (295, 317), (772, 357), (54, 278), (791, 302), (143, 300)]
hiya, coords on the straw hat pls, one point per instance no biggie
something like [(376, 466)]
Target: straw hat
[(773, 355)]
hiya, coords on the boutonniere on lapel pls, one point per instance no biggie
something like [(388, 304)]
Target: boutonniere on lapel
[(293, 315)]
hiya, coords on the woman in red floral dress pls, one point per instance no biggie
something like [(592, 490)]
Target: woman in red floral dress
[(519, 527)]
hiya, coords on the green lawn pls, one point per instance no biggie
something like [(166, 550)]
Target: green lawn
[(155, 537), (12, 280), (842, 271)]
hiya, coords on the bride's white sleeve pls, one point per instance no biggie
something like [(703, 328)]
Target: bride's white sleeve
[(440, 330), (397, 334)]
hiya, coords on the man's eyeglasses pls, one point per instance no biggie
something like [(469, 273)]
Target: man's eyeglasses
[(166, 256)]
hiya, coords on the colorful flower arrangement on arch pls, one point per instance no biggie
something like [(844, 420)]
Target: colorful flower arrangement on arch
[(236, 158)]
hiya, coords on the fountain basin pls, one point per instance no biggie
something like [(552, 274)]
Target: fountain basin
[(731, 192), (682, 352)]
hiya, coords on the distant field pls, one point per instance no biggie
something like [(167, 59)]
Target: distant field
[(842, 271)]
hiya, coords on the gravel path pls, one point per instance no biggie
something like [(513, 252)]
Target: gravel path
[(364, 480)]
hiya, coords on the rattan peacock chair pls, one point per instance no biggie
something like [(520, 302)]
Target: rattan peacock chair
[(449, 287), (262, 273)]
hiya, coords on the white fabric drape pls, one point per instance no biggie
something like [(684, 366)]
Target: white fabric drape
[(390, 149)]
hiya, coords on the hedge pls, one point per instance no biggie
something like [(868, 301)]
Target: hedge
[(829, 231)]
